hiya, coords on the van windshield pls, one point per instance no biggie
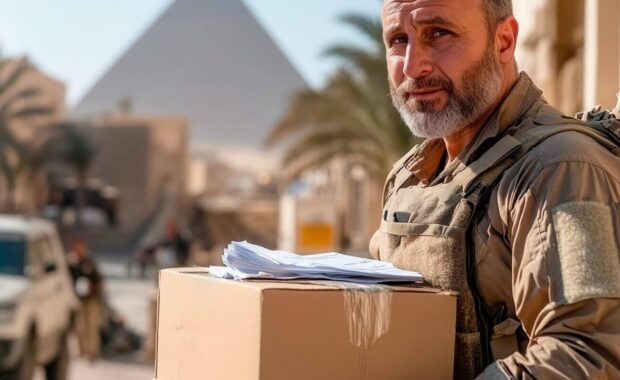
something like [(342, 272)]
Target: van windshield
[(12, 254)]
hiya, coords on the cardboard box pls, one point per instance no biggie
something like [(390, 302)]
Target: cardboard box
[(210, 328)]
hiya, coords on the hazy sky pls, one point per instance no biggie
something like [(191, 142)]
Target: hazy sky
[(76, 40)]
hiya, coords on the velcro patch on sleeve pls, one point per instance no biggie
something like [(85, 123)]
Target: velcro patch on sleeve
[(587, 251)]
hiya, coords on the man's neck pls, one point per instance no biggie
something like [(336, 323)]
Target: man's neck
[(458, 141)]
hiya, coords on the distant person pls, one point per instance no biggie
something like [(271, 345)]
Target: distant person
[(88, 284), (178, 242), (146, 256)]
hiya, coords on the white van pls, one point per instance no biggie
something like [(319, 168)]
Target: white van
[(37, 301)]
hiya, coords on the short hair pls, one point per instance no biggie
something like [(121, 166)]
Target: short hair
[(496, 11)]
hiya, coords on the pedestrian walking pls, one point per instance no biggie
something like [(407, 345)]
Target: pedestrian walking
[(89, 289)]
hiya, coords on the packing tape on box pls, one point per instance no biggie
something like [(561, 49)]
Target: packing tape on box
[(368, 311)]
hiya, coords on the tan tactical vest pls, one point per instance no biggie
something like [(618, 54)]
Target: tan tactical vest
[(425, 228)]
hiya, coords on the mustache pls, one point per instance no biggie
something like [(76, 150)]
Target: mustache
[(413, 84)]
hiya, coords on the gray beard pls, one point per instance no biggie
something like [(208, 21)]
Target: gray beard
[(482, 85)]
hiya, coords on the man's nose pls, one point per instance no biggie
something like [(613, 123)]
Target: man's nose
[(417, 61)]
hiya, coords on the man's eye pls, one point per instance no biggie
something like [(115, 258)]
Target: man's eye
[(437, 33), (400, 39)]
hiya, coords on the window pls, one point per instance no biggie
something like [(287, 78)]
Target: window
[(12, 254)]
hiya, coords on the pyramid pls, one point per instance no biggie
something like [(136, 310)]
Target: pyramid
[(209, 61)]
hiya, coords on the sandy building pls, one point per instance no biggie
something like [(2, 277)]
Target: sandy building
[(146, 159), (571, 48)]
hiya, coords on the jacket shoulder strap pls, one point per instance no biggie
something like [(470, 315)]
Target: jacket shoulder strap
[(509, 149), (399, 173)]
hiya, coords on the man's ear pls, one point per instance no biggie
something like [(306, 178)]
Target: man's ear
[(506, 36)]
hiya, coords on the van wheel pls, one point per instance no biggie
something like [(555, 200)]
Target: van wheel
[(27, 363), (58, 368)]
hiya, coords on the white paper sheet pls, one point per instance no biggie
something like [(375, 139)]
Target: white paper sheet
[(244, 260)]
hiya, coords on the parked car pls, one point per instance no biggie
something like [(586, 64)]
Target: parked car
[(37, 300)]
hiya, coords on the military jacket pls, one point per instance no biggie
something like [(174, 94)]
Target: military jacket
[(546, 242)]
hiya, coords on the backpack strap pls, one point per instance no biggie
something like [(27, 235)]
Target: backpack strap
[(506, 146), (480, 181), (610, 128), (479, 195)]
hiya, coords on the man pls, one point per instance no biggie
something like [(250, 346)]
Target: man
[(88, 287), (507, 201), (177, 243)]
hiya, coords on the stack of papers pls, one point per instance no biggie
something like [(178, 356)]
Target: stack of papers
[(248, 261)]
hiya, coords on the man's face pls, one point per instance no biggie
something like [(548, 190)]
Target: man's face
[(443, 71)]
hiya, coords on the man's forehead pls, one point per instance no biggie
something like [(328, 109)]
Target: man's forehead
[(387, 3), (390, 6), (392, 9)]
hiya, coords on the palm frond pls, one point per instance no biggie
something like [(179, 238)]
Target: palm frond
[(308, 110), (29, 111), (369, 26), (357, 57), (74, 146), (352, 116), (22, 67), (318, 138), (25, 94), (326, 153)]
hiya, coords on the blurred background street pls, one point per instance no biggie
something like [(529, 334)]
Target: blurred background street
[(147, 134)]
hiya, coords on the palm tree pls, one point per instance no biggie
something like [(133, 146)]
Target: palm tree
[(74, 147), (39, 153), (16, 104), (351, 117)]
